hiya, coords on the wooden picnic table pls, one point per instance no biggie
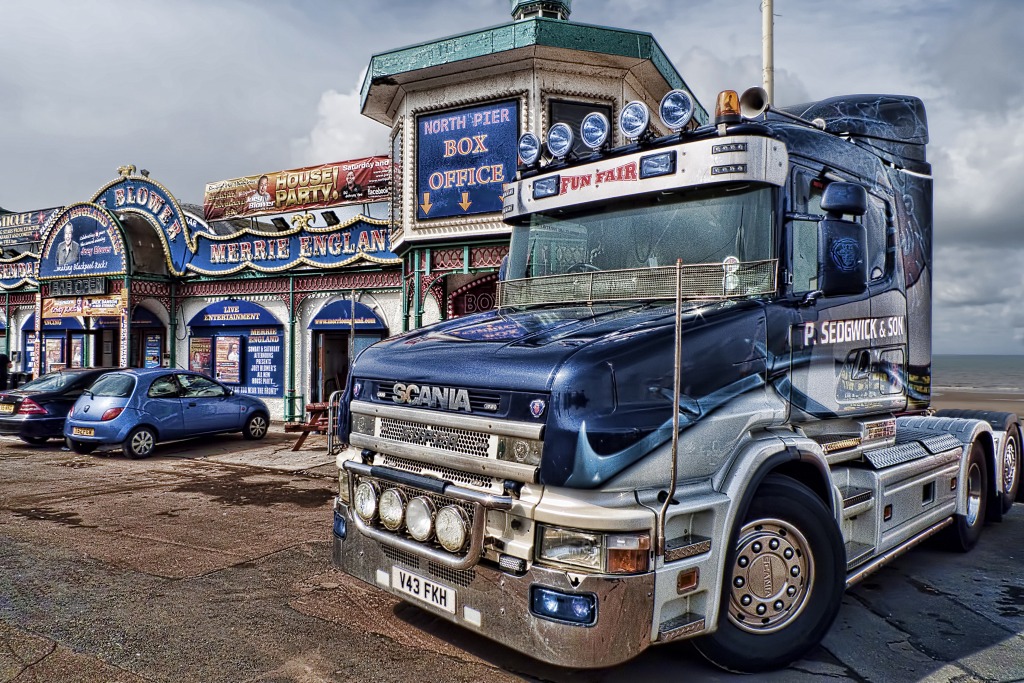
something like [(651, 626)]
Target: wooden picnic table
[(316, 423)]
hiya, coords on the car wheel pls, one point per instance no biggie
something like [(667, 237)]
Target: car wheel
[(140, 443), (34, 440), (81, 448), (256, 426), (966, 529), (784, 581)]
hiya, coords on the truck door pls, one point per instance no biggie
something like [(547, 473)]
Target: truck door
[(830, 337)]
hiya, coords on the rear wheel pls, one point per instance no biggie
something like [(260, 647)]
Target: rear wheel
[(140, 443), (256, 426), (34, 440), (966, 529), (784, 581), (1011, 467), (81, 448)]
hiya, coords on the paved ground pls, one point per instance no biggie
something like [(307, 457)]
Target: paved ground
[(210, 562)]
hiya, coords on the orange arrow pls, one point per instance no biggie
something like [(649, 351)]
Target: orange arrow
[(426, 203), (465, 203)]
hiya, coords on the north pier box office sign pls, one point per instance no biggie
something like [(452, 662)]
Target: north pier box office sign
[(463, 159), (305, 245)]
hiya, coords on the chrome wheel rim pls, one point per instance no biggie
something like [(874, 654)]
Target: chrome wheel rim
[(973, 493), (771, 576), (142, 443), (1009, 465), (257, 426)]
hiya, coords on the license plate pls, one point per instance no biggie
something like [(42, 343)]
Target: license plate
[(423, 589), (6, 408), (82, 431)]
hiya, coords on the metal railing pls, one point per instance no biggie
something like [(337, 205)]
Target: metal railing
[(699, 281)]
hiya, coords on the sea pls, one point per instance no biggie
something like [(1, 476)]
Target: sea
[(996, 374)]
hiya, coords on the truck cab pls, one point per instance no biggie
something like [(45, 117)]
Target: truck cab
[(700, 408)]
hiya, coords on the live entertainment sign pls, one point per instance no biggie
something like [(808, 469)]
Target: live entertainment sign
[(463, 159)]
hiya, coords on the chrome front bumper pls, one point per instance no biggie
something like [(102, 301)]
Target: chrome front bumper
[(496, 604)]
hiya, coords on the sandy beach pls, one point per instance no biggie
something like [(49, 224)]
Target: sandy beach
[(1012, 402)]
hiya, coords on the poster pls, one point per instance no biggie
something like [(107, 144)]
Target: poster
[(229, 359), (199, 355), (264, 360), (76, 352), (54, 355), (313, 187), (30, 352), (85, 240), (153, 348)]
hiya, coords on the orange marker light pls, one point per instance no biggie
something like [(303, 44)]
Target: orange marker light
[(727, 108)]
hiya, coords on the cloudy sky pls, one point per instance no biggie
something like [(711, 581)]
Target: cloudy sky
[(200, 90)]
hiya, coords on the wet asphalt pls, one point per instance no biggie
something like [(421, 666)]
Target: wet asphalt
[(211, 562)]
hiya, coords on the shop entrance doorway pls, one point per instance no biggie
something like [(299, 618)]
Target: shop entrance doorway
[(330, 363), (102, 347)]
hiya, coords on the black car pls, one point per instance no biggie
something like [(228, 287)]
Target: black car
[(35, 412)]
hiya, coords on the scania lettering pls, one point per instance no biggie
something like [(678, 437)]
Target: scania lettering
[(701, 408)]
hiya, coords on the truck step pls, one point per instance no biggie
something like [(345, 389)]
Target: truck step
[(857, 553), (686, 546), (683, 625), (881, 458), (854, 495)]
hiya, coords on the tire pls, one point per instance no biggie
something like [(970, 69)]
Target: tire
[(1011, 467), (789, 531), (81, 448), (140, 443), (256, 427), (34, 440), (966, 529)]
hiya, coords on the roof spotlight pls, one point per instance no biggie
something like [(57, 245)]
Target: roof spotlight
[(559, 140), (634, 119), (676, 109), (594, 130), (529, 148)]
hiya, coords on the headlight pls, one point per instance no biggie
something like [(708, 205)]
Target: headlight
[(419, 518), (452, 528), (366, 501), (609, 553), (524, 451), (568, 546), (392, 509)]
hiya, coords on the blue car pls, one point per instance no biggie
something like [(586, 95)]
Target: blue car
[(136, 409)]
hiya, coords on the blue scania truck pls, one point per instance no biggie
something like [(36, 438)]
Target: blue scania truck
[(701, 407)]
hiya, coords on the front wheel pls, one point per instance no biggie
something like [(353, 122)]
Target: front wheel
[(784, 581), (140, 443), (255, 426)]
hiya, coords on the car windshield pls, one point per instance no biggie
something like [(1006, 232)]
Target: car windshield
[(116, 385), (722, 224), (52, 381)]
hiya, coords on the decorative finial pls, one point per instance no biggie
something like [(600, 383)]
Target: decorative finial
[(126, 170)]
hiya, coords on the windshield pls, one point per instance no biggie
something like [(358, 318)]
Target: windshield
[(703, 225)]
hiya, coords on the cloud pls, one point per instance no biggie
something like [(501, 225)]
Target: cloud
[(340, 132)]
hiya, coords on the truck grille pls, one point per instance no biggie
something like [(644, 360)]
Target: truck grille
[(450, 439), (455, 476)]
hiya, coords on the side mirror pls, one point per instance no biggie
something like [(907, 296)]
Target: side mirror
[(842, 266), (844, 199)]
